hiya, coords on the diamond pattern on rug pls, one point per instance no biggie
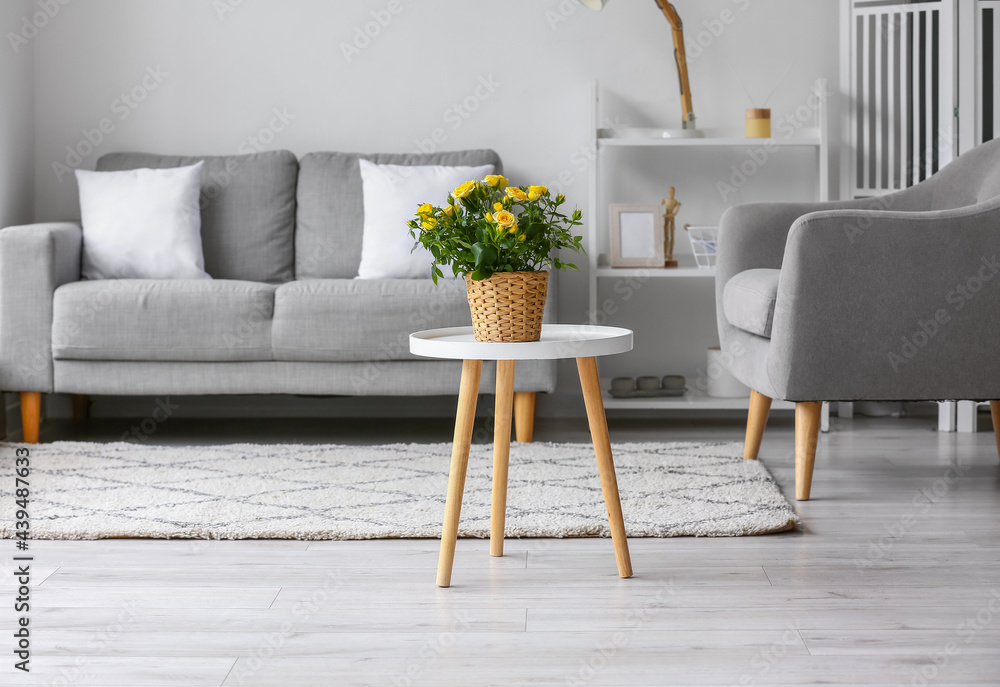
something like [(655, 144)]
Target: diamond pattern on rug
[(328, 491)]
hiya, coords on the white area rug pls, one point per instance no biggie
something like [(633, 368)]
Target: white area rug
[(91, 491)]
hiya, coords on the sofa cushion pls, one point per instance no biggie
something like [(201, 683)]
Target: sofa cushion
[(247, 210), (355, 319), (330, 209), (748, 300), (162, 320)]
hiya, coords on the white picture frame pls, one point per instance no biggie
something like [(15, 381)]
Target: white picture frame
[(636, 234)]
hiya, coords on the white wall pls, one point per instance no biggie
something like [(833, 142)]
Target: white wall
[(226, 72), (17, 155)]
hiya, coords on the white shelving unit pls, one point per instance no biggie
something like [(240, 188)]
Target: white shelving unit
[(816, 138), (693, 400)]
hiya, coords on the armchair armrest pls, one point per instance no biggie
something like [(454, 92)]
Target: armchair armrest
[(35, 260), (754, 235), (886, 305)]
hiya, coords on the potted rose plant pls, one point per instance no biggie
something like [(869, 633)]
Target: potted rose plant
[(501, 238)]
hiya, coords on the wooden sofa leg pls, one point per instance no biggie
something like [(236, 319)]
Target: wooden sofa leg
[(995, 414), (807, 421), (760, 406), (31, 415), (524, 416), (81, 407)]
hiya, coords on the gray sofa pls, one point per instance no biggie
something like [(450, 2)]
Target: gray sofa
[(283, 313), (886, 298)]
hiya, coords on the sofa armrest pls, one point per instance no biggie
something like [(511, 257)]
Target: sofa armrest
[(35, 260), (886, 305)]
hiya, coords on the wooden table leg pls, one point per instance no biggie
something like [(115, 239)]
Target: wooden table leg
[(464, 418), (501, 452), (605, 465)]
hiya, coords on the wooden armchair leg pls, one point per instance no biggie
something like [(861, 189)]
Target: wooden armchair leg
[(31, 415), (995, 414), (524, 416), (760, 406), (807, 421)]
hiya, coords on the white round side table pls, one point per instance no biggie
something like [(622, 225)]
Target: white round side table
[(583, 342)]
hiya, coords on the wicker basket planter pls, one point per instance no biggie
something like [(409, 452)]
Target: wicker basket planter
[(508, 306)]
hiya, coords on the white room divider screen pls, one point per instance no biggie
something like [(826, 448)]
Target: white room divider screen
[(902, 93), (986, 26)]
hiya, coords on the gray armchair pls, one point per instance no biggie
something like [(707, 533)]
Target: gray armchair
[(888, 298)]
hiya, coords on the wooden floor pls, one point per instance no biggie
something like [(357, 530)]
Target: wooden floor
[(892, 578)]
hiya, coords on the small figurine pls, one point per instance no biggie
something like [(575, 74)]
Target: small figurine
[(671, 206)]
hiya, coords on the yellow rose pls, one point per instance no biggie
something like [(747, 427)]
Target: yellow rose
[(522, 237), (517, 194), (494, 180), (429, 223), (498, 206), (425, 209), (513, 229), (450, 210), (560, 198), (505, 218), (464, 189), (489, 217), (536, 192)]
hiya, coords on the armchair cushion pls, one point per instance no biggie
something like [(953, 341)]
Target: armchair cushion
[(748, 300), (163, 320)]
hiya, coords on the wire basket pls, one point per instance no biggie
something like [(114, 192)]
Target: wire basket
[(704, 244)]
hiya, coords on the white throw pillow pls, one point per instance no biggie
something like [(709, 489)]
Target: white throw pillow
[(142, 224), (392, 194)]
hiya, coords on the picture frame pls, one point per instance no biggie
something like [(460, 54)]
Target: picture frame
[(636, 234)]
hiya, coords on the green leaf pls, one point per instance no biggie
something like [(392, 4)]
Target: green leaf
[(485, 255)]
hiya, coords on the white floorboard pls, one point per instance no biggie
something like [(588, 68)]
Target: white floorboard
[(892, 578)]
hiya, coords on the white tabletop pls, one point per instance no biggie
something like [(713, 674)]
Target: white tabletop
[(558, 341)]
